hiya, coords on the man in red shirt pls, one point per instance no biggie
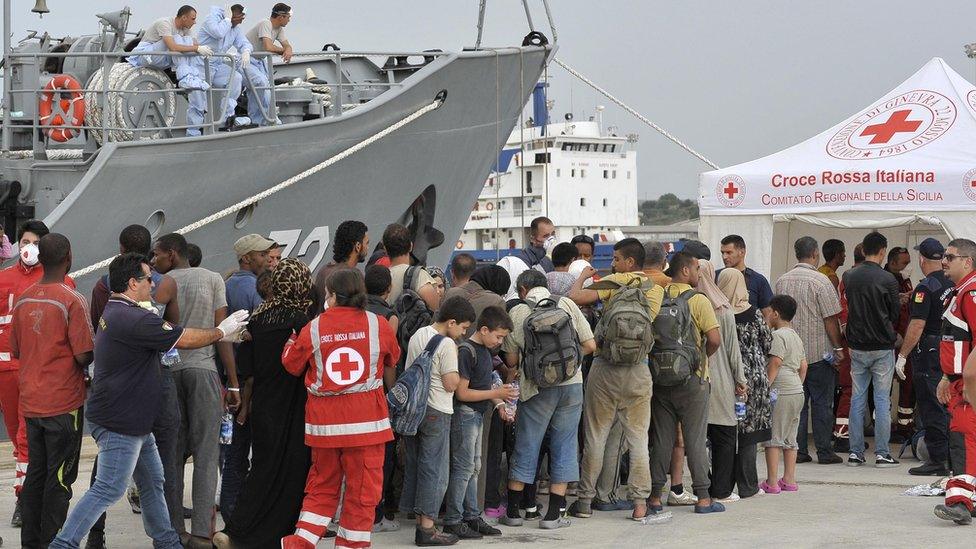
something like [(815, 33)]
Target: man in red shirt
[(958, 386), (52, 337), (13, 281), (342, 354)]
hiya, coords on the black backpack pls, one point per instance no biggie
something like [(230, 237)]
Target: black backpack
[(412, 313), (551, 354), (676, 354)]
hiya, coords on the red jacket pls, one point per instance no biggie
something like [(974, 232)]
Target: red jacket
[(958, 325), (13, 281), (342, 354)]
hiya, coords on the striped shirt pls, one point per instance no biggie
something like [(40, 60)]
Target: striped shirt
[(816, 299)]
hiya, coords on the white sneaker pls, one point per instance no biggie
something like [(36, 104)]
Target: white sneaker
[(733, 497), (386, 525), (685, 498)]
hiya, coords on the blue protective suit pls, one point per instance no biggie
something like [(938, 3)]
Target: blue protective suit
[(218, 33)]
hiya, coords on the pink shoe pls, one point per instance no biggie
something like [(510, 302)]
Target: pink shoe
[(766, 488), (495, 512), (788, 487)]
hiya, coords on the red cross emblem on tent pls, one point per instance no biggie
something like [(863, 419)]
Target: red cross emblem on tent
[(344, 366), (897, 123), (731, 190), (969, 184)]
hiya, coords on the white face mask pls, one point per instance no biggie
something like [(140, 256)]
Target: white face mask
[(29, 255), (549, 244)]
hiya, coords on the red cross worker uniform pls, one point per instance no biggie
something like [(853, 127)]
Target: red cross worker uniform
[(13, 281), (958, 326), (342, 354)]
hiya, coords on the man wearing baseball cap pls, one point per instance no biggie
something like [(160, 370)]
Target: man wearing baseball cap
[(921, 347), (241, 289)]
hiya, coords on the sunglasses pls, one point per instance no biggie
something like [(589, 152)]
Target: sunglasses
[(948, 258)]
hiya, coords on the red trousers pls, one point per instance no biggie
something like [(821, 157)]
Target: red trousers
[(362, 469), (843, 412), (962, 448), (14, 422)]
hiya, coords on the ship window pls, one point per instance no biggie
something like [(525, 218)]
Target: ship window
[(572, 173), (528, 182), (493, 234), (565, 146), (628, 174), (558, 172), (606, 174), (582, 173), (243, 216), (542, 158), (605, 148), (614, 174), (604, 202), (582, 202), (613, 148)]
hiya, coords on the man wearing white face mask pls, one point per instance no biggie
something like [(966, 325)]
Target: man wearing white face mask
[(13, 281), (542, 238)]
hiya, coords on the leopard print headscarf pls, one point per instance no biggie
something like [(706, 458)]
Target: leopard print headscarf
[(291, 284)]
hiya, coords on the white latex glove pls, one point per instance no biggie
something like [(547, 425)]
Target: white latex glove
[(245, 58), (900, 367), (233, 325), (204, 50)]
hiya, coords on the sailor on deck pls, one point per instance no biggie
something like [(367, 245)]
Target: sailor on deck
[(220, 32), (168, 34), (263, 37)]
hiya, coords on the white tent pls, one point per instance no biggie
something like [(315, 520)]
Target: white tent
[(905, 165)]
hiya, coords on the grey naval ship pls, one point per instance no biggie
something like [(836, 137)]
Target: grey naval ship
[(125, 157)]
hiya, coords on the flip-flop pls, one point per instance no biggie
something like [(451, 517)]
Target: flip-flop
[(715, 507)]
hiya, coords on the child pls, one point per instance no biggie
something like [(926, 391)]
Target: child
[(786, 368), (428, 452), (473, 397)]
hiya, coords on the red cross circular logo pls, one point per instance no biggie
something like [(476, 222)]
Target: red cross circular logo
[(344, 366), (895, 126), (971, 99), (969, 184), (730, 190)]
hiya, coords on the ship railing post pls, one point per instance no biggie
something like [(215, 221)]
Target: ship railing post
[(7, 103), (35, 140), (339, 84), (273, 104), (106, 72), (209, 121)]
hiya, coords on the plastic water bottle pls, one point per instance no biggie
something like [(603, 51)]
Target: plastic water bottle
[(740, 407), (170, 357), (227, 428), (512, 403), (496, 380), (773, 395), (828, 357)]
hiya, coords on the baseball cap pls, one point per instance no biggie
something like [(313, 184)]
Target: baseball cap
[(252, 243), (930, 248)]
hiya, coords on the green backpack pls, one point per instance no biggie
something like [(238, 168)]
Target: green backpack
[(624, 332)]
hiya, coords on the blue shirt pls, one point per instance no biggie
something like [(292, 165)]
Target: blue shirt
[(242, 292), (126, 390), (217, 33), (760, 294)]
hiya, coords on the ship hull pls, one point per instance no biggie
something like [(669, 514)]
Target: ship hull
[(437, 164)]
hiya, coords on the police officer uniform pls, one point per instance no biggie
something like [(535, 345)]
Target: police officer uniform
[(927, 303)]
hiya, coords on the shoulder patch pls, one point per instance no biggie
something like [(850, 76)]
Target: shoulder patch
[(919, 297), (167, 325)]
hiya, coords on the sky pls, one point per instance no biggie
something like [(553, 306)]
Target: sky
[(735, 80)]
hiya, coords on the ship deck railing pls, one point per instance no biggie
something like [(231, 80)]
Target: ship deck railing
[(210, 124)]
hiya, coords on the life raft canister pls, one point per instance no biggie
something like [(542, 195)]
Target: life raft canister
[(62, 130)]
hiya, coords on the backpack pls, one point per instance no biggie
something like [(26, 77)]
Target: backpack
[(407, 399), (412, 313), (624, 331), (676, 354), (551, 354)]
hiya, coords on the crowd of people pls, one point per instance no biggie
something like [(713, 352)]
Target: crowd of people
[(340, 403)]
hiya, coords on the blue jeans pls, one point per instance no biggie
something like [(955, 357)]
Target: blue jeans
[(818, 395), (555, 410), (120, 457), (234, 468), (427, 465), (879, 367), (462, 489)]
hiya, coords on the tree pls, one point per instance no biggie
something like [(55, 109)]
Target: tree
[(666, 209)]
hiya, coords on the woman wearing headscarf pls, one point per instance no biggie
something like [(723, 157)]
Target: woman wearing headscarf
[(754, 341), (271, 499), (728, 380)]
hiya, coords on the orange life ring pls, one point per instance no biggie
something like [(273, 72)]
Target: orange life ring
[(489, 206), (62, 130)]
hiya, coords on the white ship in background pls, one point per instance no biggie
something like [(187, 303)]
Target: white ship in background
[(573, 172)]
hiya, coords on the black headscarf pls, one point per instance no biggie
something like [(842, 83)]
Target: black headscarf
[(493, 278)]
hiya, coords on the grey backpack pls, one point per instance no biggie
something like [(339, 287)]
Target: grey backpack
[(624, 331), (551, 354), (676, 354)]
